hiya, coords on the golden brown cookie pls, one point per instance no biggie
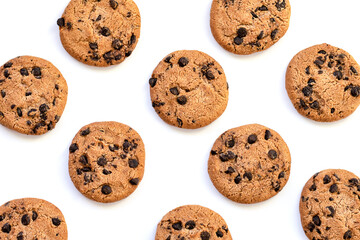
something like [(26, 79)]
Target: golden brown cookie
[(188, 89), (192, 222), (31, 218), (323, 83), (329, 205), (106, 161), (33, 95), (249, 164), (100, 32), (248, 26)]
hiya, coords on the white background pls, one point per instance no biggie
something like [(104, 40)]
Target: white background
[(176, 159)]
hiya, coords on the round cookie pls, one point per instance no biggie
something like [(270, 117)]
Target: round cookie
[(329, 205), (248, 26), (192, 222), (106, 161), (31, 218), (100, 32), (188, 89), (33, 95), (323, 83), (249, 164)]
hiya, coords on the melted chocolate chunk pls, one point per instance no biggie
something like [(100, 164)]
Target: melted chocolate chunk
[(182, 100), (174, 91), (242, 32), (106, 190), (190, 225), (152, 82), (105, 31), (252, 139), (56, 221), (114, 4), (183, 62)]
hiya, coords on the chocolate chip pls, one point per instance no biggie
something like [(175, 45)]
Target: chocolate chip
[(6, 73), (114, 4), (106, 172), (213, 152), (8, 65), (252, 139), (355, 91), (263, 8), (24, 72), (313, 187), (1, 114), (238, 40), (106, 190), (327, 179), (183, 62), (34, 215), (177, 226), (260, 36), (332, 110), (273, 34), (152, 82), (36, 71), (338, 75), (93, 45), (353, 70), (60, 22), (280, 5), (31, 112), (43, 108), (248, 175), (3, 93), (133, 163), (116, 44), (315, 105), (174, 91), (69, 25), (12, 106), (190, 225), (316, 220), (322, 52), (134, 181), (114, 147), (281, 175), (237, 179), (311, 227), (272, 154), (83, 159), (311, 82), (28, 94), (179, 122), (307, 91), (102, 161), (205, 235), (6, 228), (332, 211), (307, 70), (20, 236), (318, 62), (182, 100), (209, 75), (348, 234), (242, 32), (230, 170), (230, 143), (56, 221), (267, 135), (219, 233), (105, 31), (19, 112), (73, 147), (229, 155), (25, 220), (333, 188)]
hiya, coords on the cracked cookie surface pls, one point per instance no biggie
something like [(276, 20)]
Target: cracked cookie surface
[(329, 205), (323, 83), (192, 222), (106, 161), (33, 95), (188, 89), (31, 218), (249, 164), (100, 32), (247, 26)]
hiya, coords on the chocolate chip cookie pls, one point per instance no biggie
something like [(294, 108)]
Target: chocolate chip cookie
[(323, 83), (106, 161), (188, 89), (33, 95), (192, 222), (31, 218), (100, 32), (329, 205), (249, 164), (248, 26)]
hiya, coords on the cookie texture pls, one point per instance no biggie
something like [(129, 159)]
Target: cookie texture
[(33, 95), (188, 89), (249, 164), (329, 205), (323, 83), (100, 32), (192, 222), (248, 26), (31, 218), (106, 161)]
